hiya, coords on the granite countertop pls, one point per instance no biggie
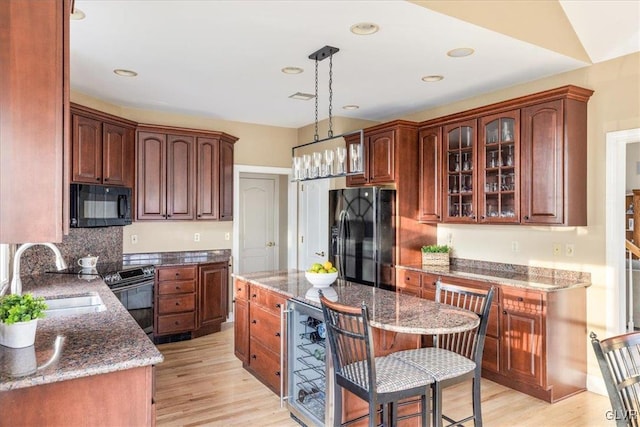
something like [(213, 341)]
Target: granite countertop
[(388, 310), (95, 343), (178, 258), (541, 279)]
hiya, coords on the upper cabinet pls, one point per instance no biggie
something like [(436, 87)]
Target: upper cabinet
[(184, 174), (522, 161), (103, 149), (34, 106), (430, 151)]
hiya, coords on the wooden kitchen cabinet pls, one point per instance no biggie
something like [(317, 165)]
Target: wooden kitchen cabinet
[(212, 297), (184, 174), (175, 300), (241, 321), (536, 339), (34, 106), (266, 360), (459, 171), (430, 152), (103, 150)]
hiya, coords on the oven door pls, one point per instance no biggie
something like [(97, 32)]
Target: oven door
[(137, 298)]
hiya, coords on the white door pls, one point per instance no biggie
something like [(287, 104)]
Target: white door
[(313, 223), (258, 233)]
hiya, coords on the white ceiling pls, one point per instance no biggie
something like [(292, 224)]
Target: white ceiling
[(222, 59)]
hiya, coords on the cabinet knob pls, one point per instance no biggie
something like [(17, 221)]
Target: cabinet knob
[(277, 373), (482, 217), (473, 217), (254, 295), (233, 301), (254, 321), (504, 311), (438, 216), (177, 303), (526, 217), (277, 334), (177, 322), (106, 179), (277, 305), (253, 356), (177, 288), (98, 179), (520, 299), (168, 216), (199, 215)]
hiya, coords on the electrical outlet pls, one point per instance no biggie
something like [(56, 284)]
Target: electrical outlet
[(515, 247), (134, 239), (227, 236), (569, 249), (557, 249), (196, 237)]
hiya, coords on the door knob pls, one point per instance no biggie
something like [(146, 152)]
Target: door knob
[(270, 244), (320, 253)]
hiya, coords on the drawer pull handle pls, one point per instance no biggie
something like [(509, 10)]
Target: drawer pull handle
[(177, 303), (254, 321), (278, 305), (253, 356), (277, 334), (277, 373), (254, 296), (177, 288), (520, 299)]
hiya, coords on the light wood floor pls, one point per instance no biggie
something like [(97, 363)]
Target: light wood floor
[(202, 383)]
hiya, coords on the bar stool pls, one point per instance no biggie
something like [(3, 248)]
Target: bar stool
[(381, 381), (456, 357)]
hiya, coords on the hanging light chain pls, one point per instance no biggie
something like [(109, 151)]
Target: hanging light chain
[(315, 136), (330, 131)]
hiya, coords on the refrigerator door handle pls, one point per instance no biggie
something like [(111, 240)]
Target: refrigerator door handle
[(341, 243)]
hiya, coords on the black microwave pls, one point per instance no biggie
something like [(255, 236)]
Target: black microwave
[(99, 205)]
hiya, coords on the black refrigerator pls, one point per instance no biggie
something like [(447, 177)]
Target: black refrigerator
[(362, 235)]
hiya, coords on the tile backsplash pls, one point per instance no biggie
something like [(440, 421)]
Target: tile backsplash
[(103, 242)]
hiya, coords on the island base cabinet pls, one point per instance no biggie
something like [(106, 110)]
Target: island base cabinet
[(121, 398)]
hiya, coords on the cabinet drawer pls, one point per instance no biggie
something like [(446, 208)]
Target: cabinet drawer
[(176, 273), (173, 323), (522, 300), (176, 304), (265, 364), (241, 289), (265, 327), (408, 279), (267, 299), (259, 295), (176, 287)]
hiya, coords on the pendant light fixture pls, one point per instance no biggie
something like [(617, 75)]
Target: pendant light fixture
[(325, 164)]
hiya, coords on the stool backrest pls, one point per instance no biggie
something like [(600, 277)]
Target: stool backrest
[(350, 339), (619, 360), (469, 343)]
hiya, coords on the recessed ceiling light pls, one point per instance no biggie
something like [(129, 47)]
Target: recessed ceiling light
[(302, 96), (351, 107), (77, 14), (433, 78), (460, 52), (364, 28), (125, 73), (292, 70)]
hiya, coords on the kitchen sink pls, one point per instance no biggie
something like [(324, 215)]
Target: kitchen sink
[(74, 305)]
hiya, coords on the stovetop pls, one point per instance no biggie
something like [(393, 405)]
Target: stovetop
[(114, 274)]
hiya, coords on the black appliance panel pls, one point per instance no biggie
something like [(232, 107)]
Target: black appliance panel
[(99, 205)]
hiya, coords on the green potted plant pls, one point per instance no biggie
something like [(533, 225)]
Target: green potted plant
[(436, 255), (19, 316)]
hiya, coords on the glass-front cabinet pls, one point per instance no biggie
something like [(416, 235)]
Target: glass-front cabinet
[(459, 172), (499, 165)]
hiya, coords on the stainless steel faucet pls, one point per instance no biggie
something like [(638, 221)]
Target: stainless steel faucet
[(16, 282)]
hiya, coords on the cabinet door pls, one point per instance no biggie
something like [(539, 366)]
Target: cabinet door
[(363, 178), (116, 159), (543, 163), (498, 168), (208, 178), (430, 145), (381, 157), (459, 172), (87, 150), (522, 344), (151, 176), (212, 294), (226, 181), (180, 177), (241, 329)]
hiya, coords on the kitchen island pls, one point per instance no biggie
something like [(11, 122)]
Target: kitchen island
[(104, 374)]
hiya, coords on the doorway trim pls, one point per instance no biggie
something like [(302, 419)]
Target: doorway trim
[(616, 145), (237, 170)]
